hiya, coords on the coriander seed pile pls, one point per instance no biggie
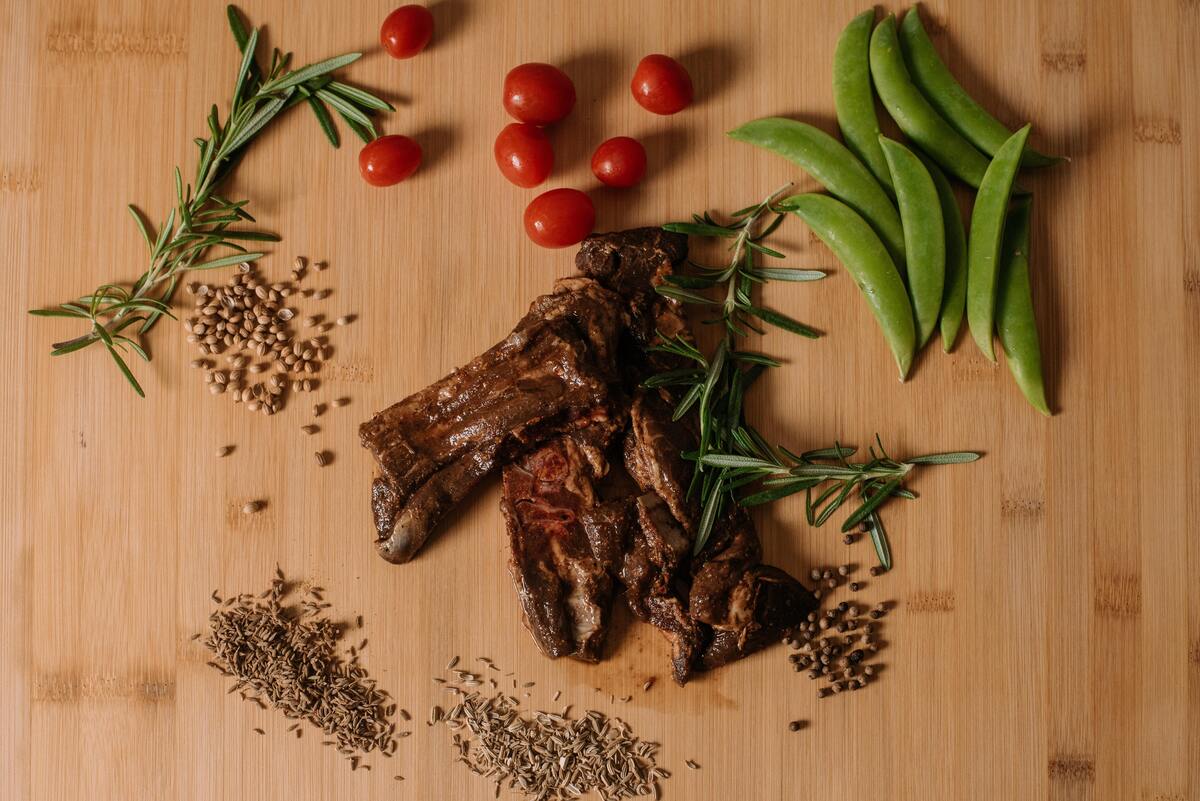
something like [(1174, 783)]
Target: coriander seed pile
[(287, 656), (249, 321)]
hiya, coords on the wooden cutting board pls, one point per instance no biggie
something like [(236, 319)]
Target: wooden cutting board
[(1045, 641)]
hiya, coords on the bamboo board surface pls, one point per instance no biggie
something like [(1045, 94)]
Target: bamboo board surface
[(1046, 637)]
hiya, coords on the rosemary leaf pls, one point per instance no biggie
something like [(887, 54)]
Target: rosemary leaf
[(227, 261), (325, 120), (311, 71)]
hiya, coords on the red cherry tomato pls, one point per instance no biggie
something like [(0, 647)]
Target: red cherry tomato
[(619, 162), (538, 93), (661, 85), (406, 31), (389, 160), (524, 154), (559, 218)]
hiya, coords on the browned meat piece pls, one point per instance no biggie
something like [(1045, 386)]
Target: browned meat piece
[(745, 604), (632, 263), (607, 526), (551, 375), (748, 604), (775, 602), (565, 592), (653, 457), (732, 549), (654, 563)]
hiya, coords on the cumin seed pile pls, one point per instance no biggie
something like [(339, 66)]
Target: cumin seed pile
[(288, 655), (550, 757)]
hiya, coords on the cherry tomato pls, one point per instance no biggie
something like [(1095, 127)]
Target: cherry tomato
[(661, 85), (619, 162), (538, 93), (559, 218), (389, 160), (406, 31), (524, 154)]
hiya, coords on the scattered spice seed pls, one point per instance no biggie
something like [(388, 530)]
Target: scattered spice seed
[(252, 506), (322, 458), (649, 683), (345, 319), (224, 451), (288, 655), (452, 663), (876, 570), (795, 725), (843, 570), (855, 586), (548, 756), (320, 266), (310, 429), (339, 402), (691, 764), (318, 409)]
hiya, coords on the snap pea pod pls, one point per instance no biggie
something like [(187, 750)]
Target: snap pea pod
[(835, 167), (924, 234), (857, 246), (1016, 324), (954, 298), (987, 231), (854, 99), (919, 120), (939, 86)]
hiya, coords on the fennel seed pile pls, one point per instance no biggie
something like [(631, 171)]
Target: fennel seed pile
[(550, 757), (287, 655)]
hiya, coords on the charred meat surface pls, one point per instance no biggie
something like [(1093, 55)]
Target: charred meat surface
[(654, 565), (551, 375), (632, 263), (564, 590), (653, 455), (734, 605), (749, 605)]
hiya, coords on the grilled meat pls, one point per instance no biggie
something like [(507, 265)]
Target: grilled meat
[(551, 375), (565, 591)]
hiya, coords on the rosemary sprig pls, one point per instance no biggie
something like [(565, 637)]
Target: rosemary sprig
[(201, 219), (716, 385), (827, 478)]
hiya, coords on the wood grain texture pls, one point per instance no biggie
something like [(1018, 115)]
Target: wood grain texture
[(1046, 638)]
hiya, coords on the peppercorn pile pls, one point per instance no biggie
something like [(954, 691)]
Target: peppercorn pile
[(838, 643)]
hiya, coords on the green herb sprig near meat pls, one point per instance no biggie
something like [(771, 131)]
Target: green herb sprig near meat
[(201, 223), (734, 463)]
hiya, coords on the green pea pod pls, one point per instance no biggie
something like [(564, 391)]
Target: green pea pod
[(1015, 321), (987, 231), (912, 112), (858, 248), (954, 298), (835, 167), (937, 83), (924, 234), (854, 99)]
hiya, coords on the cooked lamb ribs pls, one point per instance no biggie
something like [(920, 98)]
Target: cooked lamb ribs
[(733, 604), (564, 588), (553, 374), (547, 402)]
